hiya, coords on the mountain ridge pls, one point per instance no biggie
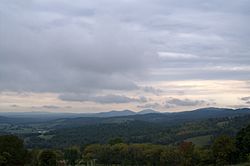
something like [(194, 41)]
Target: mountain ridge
[(167, 119), (144, 115)]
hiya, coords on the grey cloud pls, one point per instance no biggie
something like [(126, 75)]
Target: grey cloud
[(150, 105), (51, 107), (45, 107), (239, 106), (183, 102), (206, 73), (105, 99), (246, 100), (72, 72), (14, 105), (175, 102), (90, 46), (68, 58), (150, 89)]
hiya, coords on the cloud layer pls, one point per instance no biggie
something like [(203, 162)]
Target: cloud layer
[(98, 50), (104, 99)]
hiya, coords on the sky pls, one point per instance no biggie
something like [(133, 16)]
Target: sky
[(94, 56)]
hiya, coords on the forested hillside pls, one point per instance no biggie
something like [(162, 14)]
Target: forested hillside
[(139, 132), (199, 126), (224, 150)]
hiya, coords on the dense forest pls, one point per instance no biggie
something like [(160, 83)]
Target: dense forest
[(224, 150), (201, 132)]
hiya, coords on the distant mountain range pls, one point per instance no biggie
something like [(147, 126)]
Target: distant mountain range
[(123, 113), (50, 115), (147, 115)]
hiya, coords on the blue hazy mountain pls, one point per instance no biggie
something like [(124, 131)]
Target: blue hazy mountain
[(50, 115), (114, 113), (148, 115)]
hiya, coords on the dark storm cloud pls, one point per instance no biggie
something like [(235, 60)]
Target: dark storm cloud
[(104, 99), (75, 46)]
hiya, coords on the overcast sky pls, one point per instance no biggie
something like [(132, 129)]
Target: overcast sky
[(92, 56)]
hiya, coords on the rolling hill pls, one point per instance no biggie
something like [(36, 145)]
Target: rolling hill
[(144, 127)]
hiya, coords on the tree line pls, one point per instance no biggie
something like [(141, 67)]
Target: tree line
[(224, 150)]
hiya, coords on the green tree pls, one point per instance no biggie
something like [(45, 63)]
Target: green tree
[(205, 156), (34, 156), (47, 158), (12, 151), (152, 154), (188, 154), (243, 142), (224, 150), (119, 154), (170, 156), (116, 141), (135, 152), (71, 155), (4, 157)]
